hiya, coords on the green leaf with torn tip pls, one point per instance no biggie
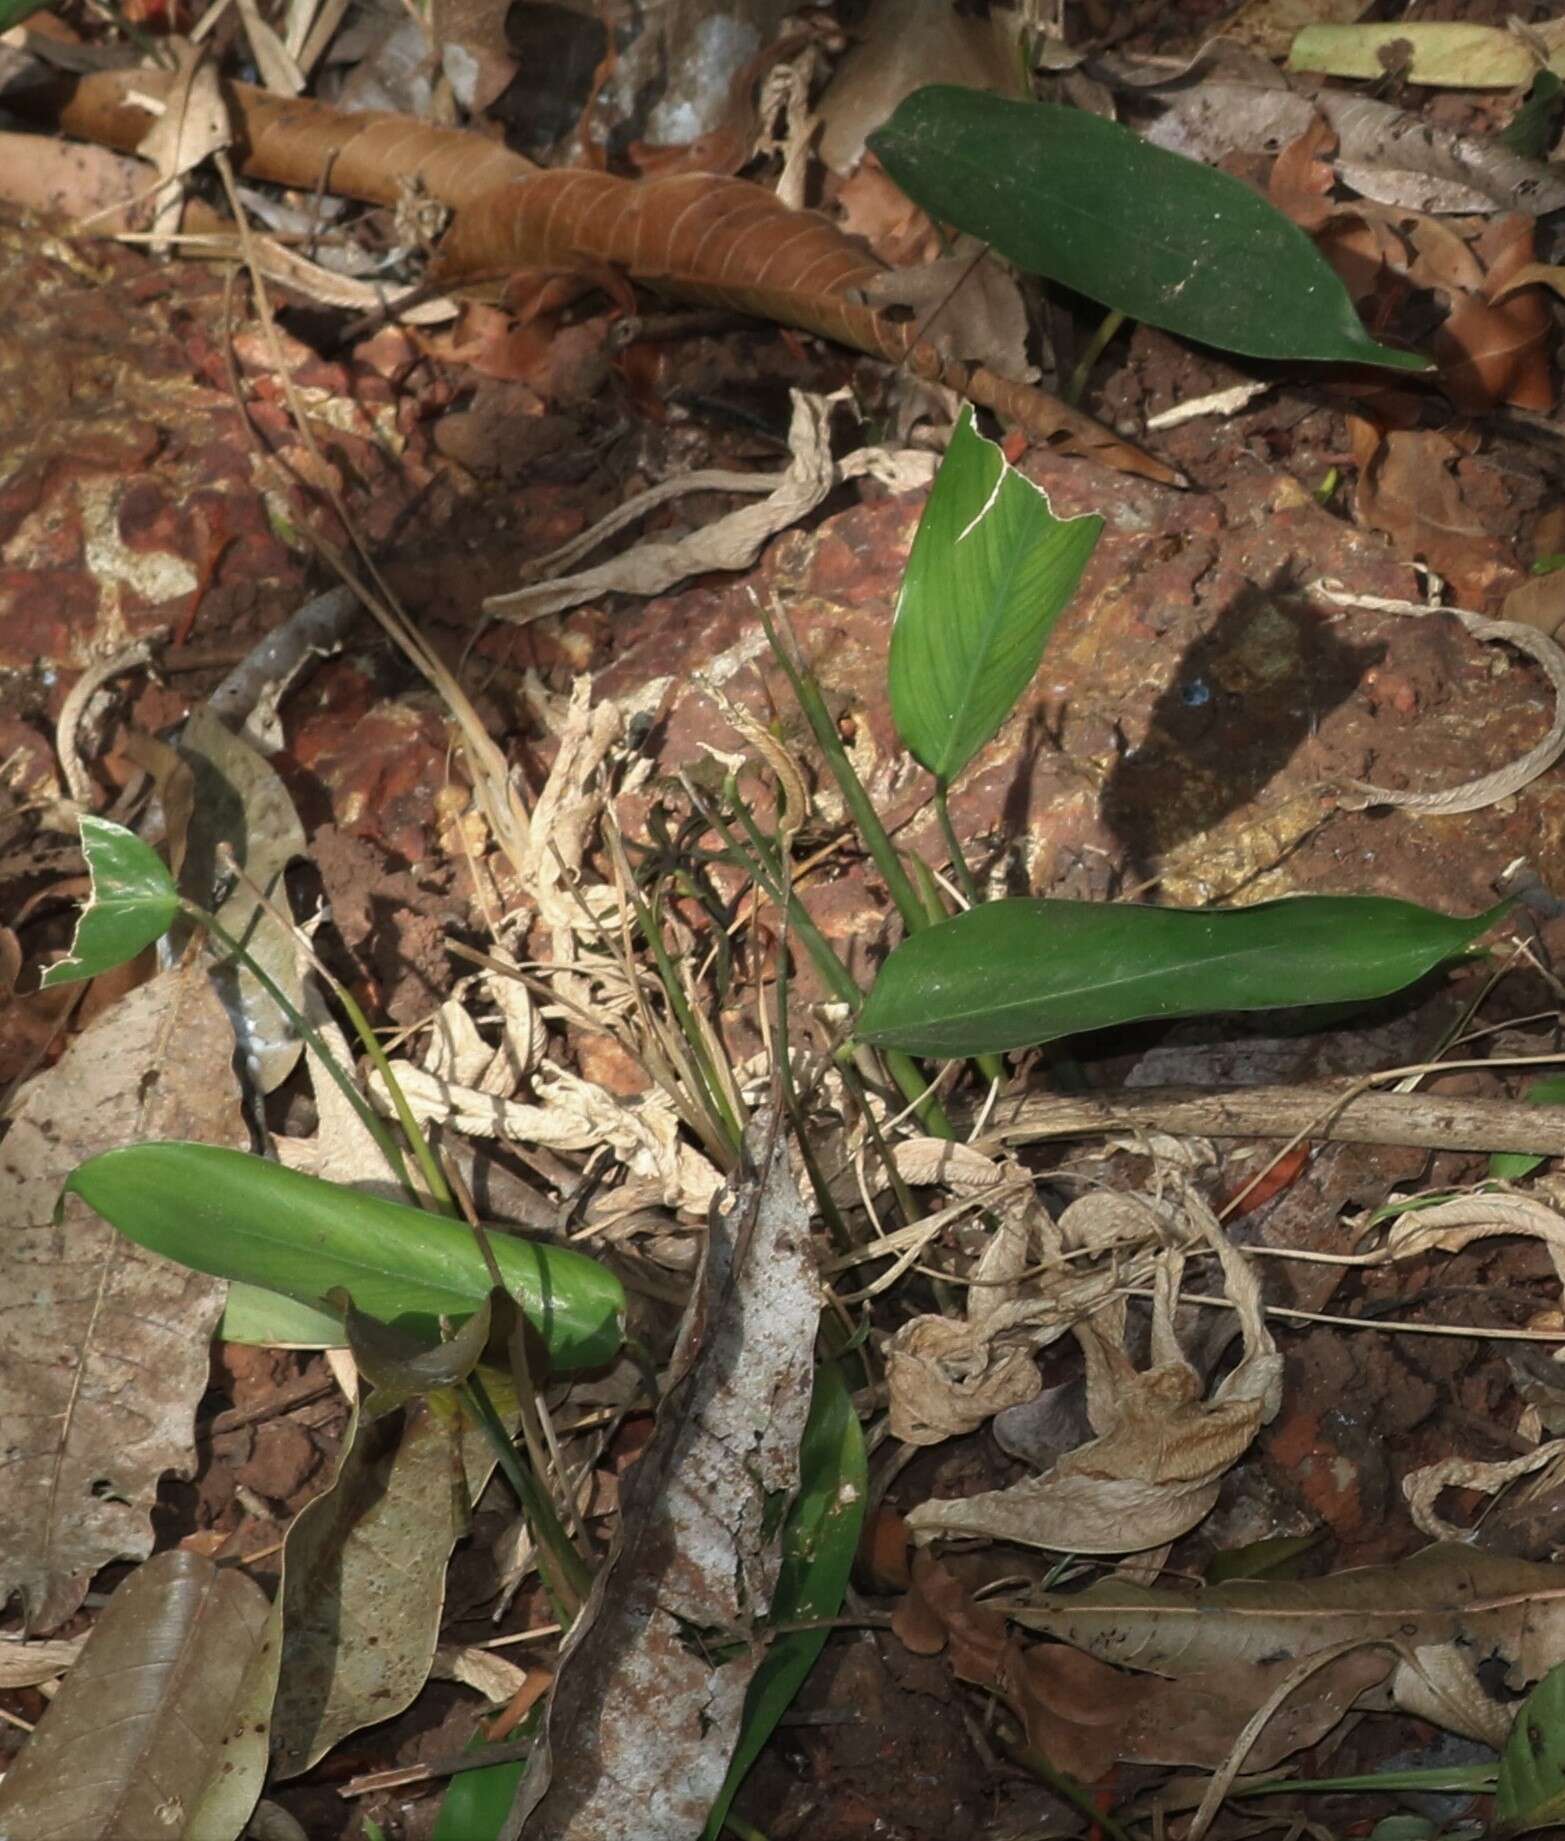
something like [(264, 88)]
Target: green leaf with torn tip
[(1530, 1792), (132, 902), (1149, 233), (244, 1218), (1510, 1166), (160, 1728), (990, 572), (1444, 54), (820, 1538), (1012, 974)]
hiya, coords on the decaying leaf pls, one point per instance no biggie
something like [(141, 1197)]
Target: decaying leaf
[(1161, 1450), (1270, 26), (1410, 487), (642, 1719), (364, 1577), (103, 1354), (160, 1728), (193, 124), (1441, 1614)]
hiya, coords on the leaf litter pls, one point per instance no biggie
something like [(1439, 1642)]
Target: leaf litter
[(1007, 1273)]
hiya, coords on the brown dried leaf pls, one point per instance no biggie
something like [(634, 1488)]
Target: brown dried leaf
[(474, 53), (1494, 347), (1408, 489), (104, 1354), (193, 126), (641, 1723), (160, 1727), (722, 242)]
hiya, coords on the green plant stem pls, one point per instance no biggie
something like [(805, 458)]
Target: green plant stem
[(1107, 327), (368, 1117), (764, 871), (990, 1066), (562, 1569), (428, 1163), (873, 832)]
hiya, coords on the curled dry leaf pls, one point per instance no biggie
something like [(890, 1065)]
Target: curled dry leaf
[(1495, 345), (1422, 1487), (572, 1114), (1161, 1453), (1447, 1227)]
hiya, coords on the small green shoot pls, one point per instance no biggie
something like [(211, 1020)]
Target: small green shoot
[(133, 902)]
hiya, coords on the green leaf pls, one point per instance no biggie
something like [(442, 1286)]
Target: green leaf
[(477, 1804), (991, 571), (820, 1538), (132, 903), (1530, 1792), (254, 1315), (1509, 1166), (13, 12), (1149, 233), (244, 1218), (1012, 974), (1530, 131)]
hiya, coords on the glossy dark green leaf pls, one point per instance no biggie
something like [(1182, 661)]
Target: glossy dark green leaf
[(1511, 1166), (1530, 1792), (1011, 974), (132, 903), (820, 1538), (990, 572), (241, 1217), (1158, 237)]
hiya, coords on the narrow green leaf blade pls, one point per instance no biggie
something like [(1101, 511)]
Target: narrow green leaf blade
[(1158, 237), (990, 572), (132, 903), (819, 1541), (1530, 1792), (240, 1217), (1012, 974)]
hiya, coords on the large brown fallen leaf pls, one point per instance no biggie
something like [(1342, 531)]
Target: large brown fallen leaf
[(643, 1719), (1442, 1613), (692, 236), (364, 1578), (103, 1346), (160, 1728)]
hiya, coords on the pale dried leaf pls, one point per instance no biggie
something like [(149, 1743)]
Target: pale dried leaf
[(928, 1163), (1422, 1487), (456, 1052), (192, 125), (967, 306), (486, 1671), (25, 1665), (1269, 26), (642, 1722), (1161, 1453), (1447, 1227), (571, 1115), (103, 1355)]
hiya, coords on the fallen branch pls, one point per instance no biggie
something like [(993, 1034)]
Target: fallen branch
[(1334, 1114)]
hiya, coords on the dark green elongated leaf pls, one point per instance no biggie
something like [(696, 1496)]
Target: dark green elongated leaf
[(1012, 974), (1509, 1166), (1158, 237), (1530, 1792), (820, 1538), (991, 571), (132, 903), (241, 1217)]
